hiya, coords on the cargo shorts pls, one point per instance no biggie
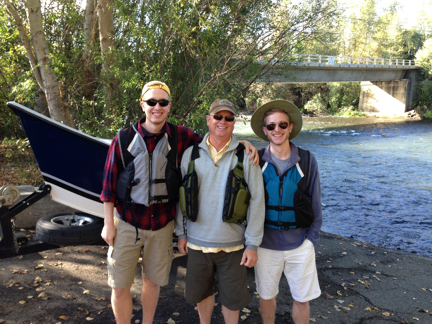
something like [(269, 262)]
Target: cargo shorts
[(155, 248), (232, 278)]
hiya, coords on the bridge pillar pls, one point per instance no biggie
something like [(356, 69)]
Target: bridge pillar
[(389, 98)]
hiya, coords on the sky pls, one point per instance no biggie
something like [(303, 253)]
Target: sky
[(409, 11)]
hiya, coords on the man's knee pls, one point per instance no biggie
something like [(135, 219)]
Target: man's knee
[(120, 292), (149, 284), (301, 304)]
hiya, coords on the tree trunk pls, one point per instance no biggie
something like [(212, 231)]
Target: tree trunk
[(40, 103), (38, 56), (89, 86), (106, 36), (57, 107)]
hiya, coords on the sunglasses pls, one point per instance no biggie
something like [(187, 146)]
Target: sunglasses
[(272, 126), (153, 102), (227, 118)]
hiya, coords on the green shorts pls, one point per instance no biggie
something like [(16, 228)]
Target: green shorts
[(232, 278)]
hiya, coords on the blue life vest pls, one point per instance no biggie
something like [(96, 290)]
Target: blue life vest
[(287, 205)]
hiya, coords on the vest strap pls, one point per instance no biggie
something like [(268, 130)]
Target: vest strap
[(280, 224), (279, 208)]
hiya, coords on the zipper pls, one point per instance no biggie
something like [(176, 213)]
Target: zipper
[(280, 198), (150, 176)]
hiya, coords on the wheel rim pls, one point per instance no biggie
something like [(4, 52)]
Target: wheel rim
[(72, 220)]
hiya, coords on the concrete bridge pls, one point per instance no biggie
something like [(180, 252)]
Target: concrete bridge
[(387, 85)]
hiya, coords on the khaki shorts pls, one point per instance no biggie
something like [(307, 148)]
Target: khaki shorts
[(156, 250), (232, 278), (299, 268)]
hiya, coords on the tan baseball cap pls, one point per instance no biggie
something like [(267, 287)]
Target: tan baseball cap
[(155, 85), (222, 104)]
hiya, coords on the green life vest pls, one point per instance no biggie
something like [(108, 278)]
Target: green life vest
[(237, 194)]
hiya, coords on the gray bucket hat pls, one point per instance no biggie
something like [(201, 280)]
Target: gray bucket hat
[(257, 120)]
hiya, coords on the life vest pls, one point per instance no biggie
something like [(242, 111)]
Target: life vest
[(287, 205), (237, 194), (148, 178)]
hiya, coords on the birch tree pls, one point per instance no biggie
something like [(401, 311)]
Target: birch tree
[(107, 43), (89, 31), (39, 58)]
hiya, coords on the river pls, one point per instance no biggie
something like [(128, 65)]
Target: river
[(376, 177)]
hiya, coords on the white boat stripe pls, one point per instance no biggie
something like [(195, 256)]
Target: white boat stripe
[(70, 185)]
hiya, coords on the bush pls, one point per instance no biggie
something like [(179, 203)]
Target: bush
[(317, 105)]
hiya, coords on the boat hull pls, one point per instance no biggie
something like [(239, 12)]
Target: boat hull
[(71, 161)]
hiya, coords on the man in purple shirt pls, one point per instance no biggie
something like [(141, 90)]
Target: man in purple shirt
[(293, 212)]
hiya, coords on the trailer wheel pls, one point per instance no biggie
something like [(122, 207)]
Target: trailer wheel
[(69, 229)]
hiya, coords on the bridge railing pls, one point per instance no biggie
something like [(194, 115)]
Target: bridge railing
[(340, 61)]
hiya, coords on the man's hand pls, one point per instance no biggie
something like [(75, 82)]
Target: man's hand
[(250, 258), (109, 232), (251, 149), (182, 245)]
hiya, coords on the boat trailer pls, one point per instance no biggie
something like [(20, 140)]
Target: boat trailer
[(12, 243)]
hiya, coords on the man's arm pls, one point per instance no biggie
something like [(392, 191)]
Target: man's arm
[(256, 210), (108, 191), (314, 191), (180, 221), (109, 231), (251, 149)]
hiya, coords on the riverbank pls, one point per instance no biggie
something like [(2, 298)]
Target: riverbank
[(360, 283)]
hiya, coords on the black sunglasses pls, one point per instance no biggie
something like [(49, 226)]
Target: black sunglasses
[(153, 102), (227, 118), (272, 126)]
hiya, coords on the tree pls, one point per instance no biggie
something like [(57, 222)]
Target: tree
[(39, 58)]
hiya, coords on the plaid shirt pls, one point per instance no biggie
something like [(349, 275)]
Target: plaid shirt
[(155, 216)]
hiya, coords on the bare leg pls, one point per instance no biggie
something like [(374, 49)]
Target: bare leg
[(268, 310), (205, 309), (300, 312), (230, 317), (121, 301), (149, 299)]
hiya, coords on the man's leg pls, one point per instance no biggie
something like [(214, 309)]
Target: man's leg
[(230, 317), (300, 312), (268, 310), (121, 302), (149, 300), (205, 309)]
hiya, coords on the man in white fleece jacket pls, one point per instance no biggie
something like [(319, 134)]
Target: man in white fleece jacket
[(214, 246)]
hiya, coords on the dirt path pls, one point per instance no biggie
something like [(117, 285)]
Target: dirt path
[(360, 283)]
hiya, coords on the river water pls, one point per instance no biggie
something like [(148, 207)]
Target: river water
[(376, 178)]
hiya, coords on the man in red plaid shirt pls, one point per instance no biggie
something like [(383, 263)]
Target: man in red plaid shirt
[(150, 236)]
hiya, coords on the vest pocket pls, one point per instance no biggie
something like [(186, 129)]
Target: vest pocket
[(158, 189), (303, 209), (174, 180)]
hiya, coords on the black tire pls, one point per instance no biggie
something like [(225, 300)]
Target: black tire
[(69, 229)]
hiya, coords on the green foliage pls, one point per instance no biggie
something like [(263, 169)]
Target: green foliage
[(342, 94), (15, 146), (349, 111), (317, 105)]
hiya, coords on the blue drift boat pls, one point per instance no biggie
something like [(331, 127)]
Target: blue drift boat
[(71, 162)]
